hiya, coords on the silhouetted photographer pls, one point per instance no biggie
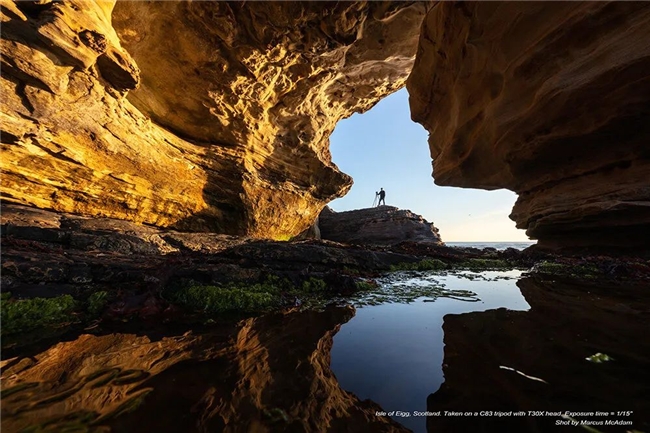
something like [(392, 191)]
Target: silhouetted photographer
[(382, 196)]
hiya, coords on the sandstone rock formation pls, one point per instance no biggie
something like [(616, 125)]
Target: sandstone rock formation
[(549, 100), (234, 378), (382, 225), (224, 127), (204, 116)]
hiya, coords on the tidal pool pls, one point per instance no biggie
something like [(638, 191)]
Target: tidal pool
[(393, 353), (463, 342)]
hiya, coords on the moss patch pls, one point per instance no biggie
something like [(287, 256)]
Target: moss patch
[(314, 285), (366, 285), (20, 315), (240, 298), (351, 271)]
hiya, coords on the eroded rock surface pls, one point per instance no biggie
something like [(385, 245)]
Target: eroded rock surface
[(381, 225), (204, 116), (549, 100), (224, 127)]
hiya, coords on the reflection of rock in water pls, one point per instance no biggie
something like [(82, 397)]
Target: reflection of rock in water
[(268, 374), (565, 325)]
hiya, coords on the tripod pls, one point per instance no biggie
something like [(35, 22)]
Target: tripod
[(374, 202)]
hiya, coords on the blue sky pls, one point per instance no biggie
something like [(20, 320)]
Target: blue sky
[(385, 148)]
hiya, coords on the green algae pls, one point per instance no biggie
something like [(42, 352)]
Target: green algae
[(366, 285), (22, 315), (220, 299), (485, 264), (351, 271), (314, 285), (422, 265), (273, 293), (599, 358), (96, 303), (577, 270)]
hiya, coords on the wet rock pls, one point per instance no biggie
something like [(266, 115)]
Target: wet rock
[(22, 223), (312, 232), (115, 255)]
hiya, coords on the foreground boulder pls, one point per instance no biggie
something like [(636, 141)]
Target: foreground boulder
[(549, 100), (382, 225)]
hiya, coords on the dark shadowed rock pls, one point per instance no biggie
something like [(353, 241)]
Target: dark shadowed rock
[(382, 225), (546, 99), (586, 319)]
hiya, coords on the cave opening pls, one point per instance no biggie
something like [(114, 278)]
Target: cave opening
[(384, 148)]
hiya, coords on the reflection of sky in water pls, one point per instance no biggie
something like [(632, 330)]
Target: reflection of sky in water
[(393, 353)]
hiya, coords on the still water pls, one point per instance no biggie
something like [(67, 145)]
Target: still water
[(393, 353), (490, 342)]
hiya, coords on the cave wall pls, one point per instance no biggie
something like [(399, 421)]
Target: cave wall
[(223, 127), (550, 100)]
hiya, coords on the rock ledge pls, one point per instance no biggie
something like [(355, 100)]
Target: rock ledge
[(382, 225)]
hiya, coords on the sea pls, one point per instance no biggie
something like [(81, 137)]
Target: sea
[(496, 245)]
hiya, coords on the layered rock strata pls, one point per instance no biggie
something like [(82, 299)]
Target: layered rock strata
[(550, 100), (224, 126), (204, 116), (381, 225)]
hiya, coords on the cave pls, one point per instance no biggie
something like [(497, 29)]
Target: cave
[(159, 159), (225, 127)]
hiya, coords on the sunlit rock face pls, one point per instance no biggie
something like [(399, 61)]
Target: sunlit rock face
[(205, 116), (550, 100)]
